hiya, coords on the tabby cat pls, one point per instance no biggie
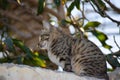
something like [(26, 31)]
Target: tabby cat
[(80, 56)]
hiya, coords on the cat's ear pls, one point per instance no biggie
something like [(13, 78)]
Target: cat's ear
[(47, 26)]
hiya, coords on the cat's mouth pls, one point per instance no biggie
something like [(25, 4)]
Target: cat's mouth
[(43, 45)]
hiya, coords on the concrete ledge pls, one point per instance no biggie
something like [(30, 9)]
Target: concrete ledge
[(24, 72)]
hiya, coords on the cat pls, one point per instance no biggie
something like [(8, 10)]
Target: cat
[(77, 55)]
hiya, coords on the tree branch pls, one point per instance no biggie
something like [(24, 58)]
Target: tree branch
[(105, 15), (46, 9), (113, 6)]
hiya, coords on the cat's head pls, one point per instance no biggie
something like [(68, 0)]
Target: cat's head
[(44, 39), (49, 32)]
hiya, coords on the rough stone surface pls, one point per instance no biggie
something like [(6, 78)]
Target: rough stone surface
[(115, 75), (9, 71)]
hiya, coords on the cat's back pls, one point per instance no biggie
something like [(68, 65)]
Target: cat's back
[(87, 59)]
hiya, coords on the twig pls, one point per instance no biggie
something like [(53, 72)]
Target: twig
[(113, 20), (116, 42), (60, 11), (113, 6), (53, 13), (74, 23), (82, 11), (105, 15), (116, 53)]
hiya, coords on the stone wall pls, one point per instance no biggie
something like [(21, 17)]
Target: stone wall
[(24, 72)]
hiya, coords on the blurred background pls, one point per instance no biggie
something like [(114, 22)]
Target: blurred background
[(21, 23)]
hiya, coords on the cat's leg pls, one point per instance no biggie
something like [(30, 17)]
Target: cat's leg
[(67, 66), (60, 69)]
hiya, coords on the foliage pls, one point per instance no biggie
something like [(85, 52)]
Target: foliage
[(36, 11), (40, 6), (100, 35), (15, 51)]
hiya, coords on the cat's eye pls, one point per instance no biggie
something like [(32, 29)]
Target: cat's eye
[(44, 37)]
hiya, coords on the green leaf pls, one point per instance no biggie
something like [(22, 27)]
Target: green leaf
[(28, 61), (40, 6), (70, 8), (35, 61), (112, 61), (63, 22), (39, 62), (41, 56), (92, 24), (101, 7), (77, 4), (102, 38), (9, 43), (3, 60), (4, 4), (30, 58), (57, 2), (21, 45), (20, 60), (110, 69)]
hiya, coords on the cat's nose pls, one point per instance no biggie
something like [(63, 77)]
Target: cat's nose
[(40, 45)]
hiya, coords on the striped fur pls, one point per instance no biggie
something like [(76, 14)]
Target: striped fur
[(80, 56)]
